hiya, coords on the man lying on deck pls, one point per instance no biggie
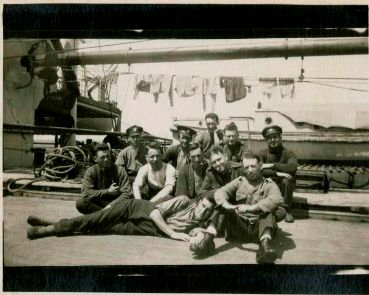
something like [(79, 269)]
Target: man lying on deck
[(103, 184), (174, 218), (249, 208)]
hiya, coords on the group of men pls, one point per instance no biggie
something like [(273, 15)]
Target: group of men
[(194, 191)]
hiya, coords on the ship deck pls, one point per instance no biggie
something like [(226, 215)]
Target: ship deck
[(306, 241)]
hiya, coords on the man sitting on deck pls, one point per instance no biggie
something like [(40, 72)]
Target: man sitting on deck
[(155, 181), (231, 146), (103, 184), (179, 155), (133, 157), (249, 208), (212, 136), (220, 173), (174, 218), (280, 164), (192, 175)]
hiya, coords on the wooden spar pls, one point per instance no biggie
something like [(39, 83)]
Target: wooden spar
[(15, 128), (280, 48)]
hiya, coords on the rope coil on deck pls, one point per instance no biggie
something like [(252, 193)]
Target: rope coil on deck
[(62, 163)]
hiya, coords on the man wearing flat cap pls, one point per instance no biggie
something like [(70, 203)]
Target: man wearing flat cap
[(179, 155), (280, 164), (133, 157)]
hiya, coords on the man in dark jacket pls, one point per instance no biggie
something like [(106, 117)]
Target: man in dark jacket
[(103, 184), (212, 136), (231, 146), (280, 164), (179, 155), (191, 176), (220, 173)]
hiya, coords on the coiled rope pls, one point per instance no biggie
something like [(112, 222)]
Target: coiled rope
[(62, 163)]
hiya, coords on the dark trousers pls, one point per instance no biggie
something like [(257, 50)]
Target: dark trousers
[(147, 193), (238, 229), (286, 187), (128, 217), (87, 206)]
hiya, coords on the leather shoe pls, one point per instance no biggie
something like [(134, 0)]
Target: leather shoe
[(37, 232), (36, 221), (289, 218), (265, 254)]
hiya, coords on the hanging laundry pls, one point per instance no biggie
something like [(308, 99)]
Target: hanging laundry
[(268, 85), (185, 86), (165, 83), (208, 88), (155, 86), (287, 87), (171, 89), (234, 88), (143, 83)]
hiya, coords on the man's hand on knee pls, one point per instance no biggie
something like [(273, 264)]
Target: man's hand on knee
[(284, 175)]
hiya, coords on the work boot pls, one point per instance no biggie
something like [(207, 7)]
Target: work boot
[(36, 221), (37, 232), (289, 218), (265, 254)]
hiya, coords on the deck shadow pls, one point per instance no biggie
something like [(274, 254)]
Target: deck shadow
[(282, 243)]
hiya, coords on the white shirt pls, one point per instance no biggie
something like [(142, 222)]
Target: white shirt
[(155, 179)]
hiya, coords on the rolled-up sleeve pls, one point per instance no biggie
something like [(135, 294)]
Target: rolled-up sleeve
[(228, 191), (121, 161), (141, 177), (272, 198), (169, 207), (170, 175)]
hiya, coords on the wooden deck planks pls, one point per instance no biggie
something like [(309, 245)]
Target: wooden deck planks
[(306, 241)]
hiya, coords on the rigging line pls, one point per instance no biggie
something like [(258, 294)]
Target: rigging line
[(90, 47), (12, 111), (126, 94), (337, 78), (354, 89), (338, 82)]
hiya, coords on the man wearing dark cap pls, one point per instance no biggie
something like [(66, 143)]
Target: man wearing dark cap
[(280, 164), (179, 155), (191, 176), (104, 183), (212, 136), (133, 157), (231, 146)]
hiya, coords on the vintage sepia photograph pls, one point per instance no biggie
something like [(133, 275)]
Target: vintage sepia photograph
[(183, 151)]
